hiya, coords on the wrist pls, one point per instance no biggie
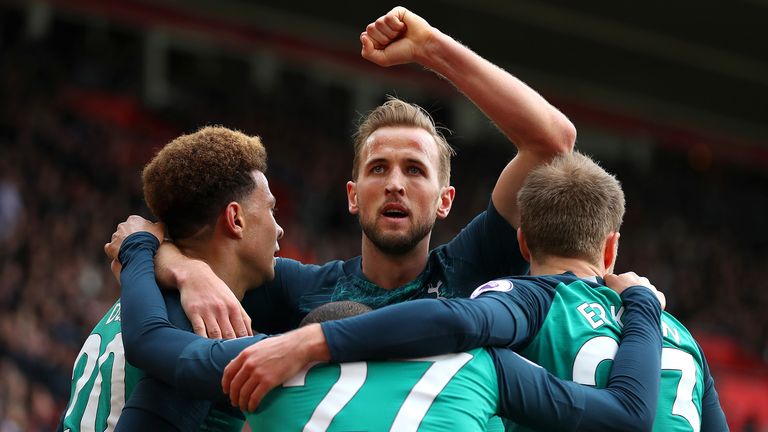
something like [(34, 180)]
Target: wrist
[(431, 55), (180, 274), (635, 293), (314, 343)]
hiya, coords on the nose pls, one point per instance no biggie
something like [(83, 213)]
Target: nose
[(280, 231), (395, 184)]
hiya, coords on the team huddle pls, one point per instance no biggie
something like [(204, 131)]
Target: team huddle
[(517, 323)]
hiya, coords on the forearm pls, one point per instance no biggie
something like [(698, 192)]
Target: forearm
[(167, 274), (211, 307), (538, 130), (173, 269), (524, 116), (532, 397), (634, 380), (190, 363), (151, 342), (423, 328)]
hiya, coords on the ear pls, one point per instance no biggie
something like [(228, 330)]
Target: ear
[(447, 194), (233, 219), (352, 197), (524, 251), (611, 251)]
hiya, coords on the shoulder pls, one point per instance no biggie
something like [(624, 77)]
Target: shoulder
[(676, 336), (110, 321), (536, 284), (295, 279), (488, 223), (487, 245), (286, 267)]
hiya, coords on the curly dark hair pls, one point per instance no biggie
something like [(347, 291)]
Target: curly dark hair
[(194, 176)]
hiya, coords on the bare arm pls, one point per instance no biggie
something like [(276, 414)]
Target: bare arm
[(210, 305), (538, 130), (212, 308)]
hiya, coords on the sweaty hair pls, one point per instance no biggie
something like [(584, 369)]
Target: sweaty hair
[(395, 112), (195, 176), (568, 207), (334, 311)]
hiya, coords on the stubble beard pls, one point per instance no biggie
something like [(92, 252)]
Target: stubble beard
[(396, 244)]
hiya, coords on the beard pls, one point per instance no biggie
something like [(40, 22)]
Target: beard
[(396, 244)]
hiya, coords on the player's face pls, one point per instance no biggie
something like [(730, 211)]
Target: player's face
[(397, 194), (262, 231)]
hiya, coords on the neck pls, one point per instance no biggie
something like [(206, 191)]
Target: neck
[(222, 261), (392, 271), (557, 265)]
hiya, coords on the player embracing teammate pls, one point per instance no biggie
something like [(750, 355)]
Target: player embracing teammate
[(400, 187)]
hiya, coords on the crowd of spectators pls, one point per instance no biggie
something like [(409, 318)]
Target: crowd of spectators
[(74, 135)]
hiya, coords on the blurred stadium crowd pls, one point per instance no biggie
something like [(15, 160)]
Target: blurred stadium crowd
[(74, 136)]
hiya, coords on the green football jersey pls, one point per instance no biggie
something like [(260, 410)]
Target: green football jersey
[(101, 379), (580, 337), (440, 393)]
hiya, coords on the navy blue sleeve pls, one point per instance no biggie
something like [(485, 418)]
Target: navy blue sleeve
[(429, 327), (134, 419), (712, 415), (532, 397), (190, 363), (153, 404), (487, 245)]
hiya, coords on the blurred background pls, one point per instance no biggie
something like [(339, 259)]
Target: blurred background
[(670, 96)]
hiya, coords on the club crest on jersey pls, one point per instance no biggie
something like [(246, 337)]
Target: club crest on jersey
[(501, 285)]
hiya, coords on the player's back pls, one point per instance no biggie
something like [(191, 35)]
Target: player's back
[(449, 392), (580, 336), (101, 379)]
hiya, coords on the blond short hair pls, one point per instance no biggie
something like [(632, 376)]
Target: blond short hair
[(195, 176), (396, 112), (568, 207)]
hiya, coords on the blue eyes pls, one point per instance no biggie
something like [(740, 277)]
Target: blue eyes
[(414, 170), (379, 169)]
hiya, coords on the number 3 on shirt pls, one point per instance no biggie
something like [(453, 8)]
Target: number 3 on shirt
[(414, 407), (601, 348)]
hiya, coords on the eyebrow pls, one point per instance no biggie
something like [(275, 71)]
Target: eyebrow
[(416, 161), (375, 161), (407, 160)]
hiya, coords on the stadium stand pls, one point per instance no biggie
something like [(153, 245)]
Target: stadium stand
[(74, 134)]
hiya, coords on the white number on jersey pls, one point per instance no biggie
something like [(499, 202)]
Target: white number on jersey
[(601, 348), (414, 407), (92, 374)]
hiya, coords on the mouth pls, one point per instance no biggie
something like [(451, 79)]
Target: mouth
[(394, 211)]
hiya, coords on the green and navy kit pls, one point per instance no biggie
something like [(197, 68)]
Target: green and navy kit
[(523, 391), (580, 335), (568, 325), (104, 384), (485, 249), (448, 392), (101, 379)]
